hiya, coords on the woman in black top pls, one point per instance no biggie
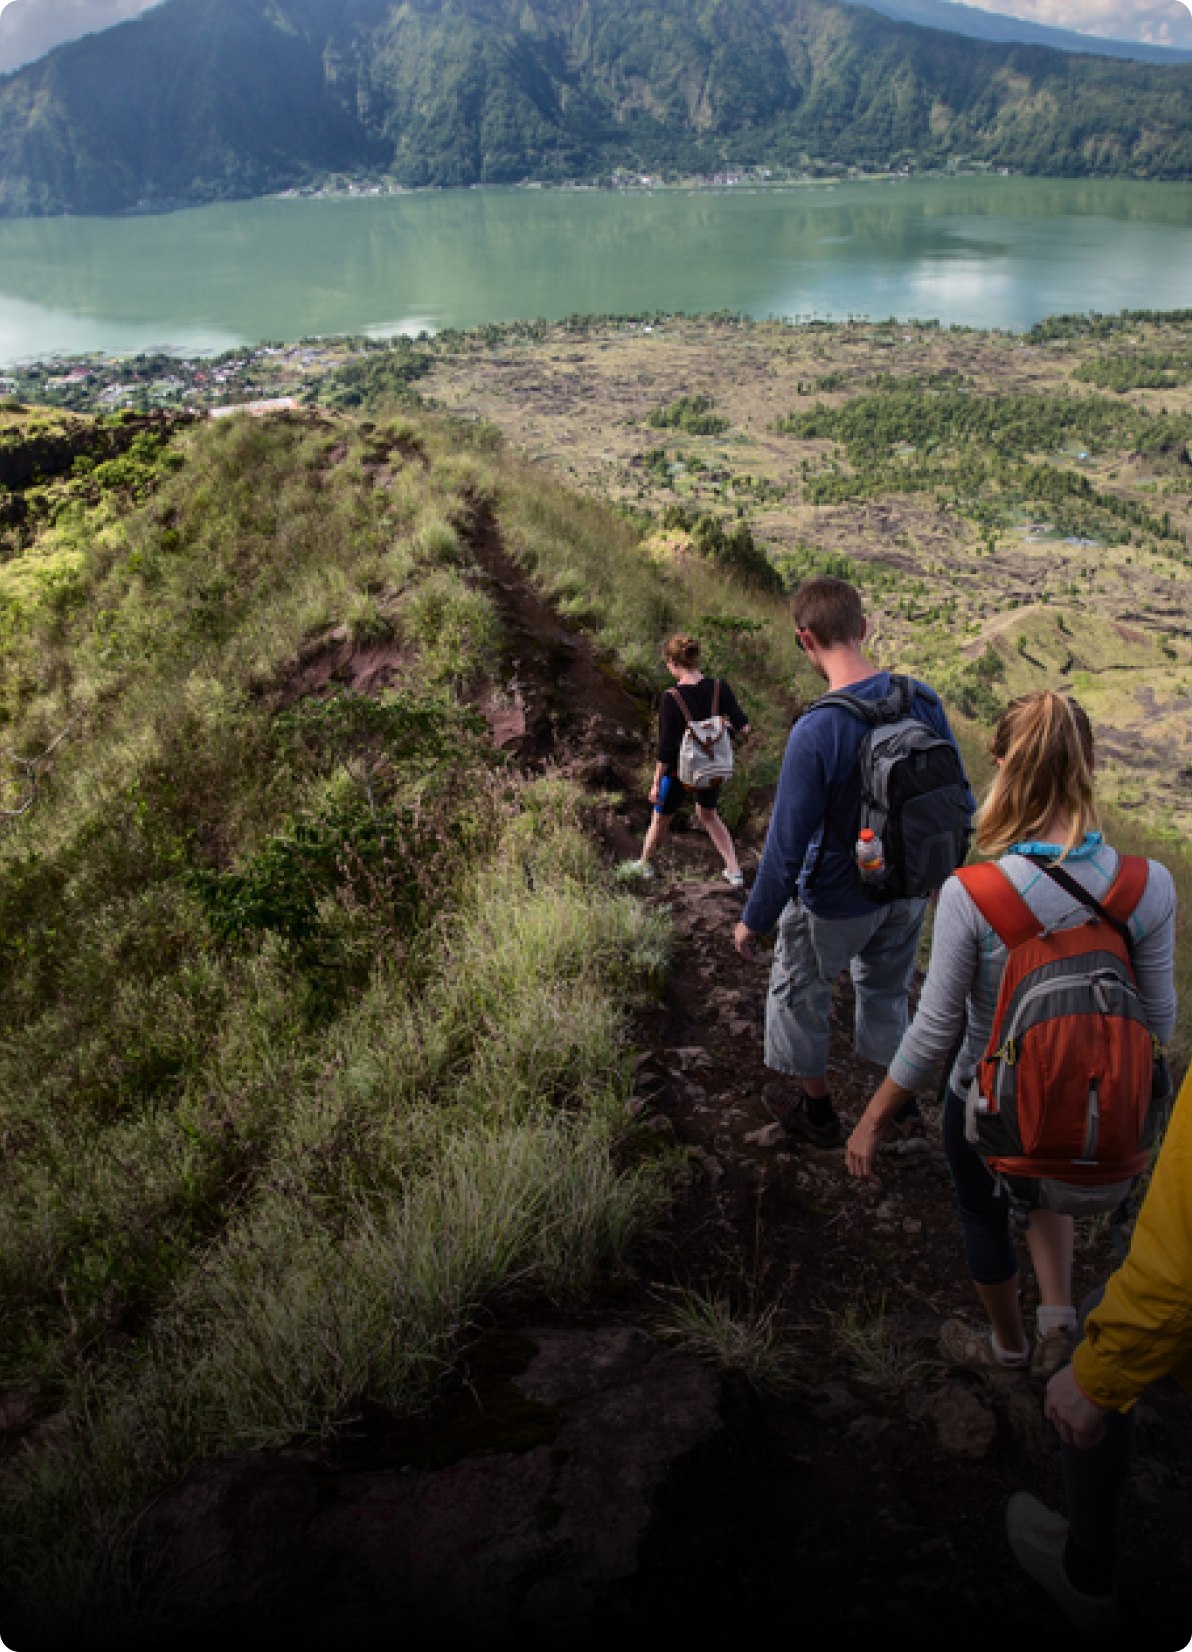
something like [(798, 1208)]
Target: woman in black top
[(682, 661)]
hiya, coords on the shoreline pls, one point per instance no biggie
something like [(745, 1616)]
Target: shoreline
[(737, 181)]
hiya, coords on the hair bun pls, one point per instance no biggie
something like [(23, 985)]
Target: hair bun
[(683, 651)]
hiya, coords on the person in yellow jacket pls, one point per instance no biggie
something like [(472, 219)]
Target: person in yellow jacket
[(1139, 1330)]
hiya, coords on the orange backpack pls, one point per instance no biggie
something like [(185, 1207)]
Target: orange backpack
[(1061, 1105)]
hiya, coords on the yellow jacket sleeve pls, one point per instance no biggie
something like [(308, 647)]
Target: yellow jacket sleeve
[(1142, 1329)]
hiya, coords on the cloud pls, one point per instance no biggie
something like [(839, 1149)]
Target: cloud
[(1157, 22)]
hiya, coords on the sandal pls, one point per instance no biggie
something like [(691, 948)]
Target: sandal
[(963, 1344)]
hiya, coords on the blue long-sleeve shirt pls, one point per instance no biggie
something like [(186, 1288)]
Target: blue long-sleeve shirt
[(821, 776)]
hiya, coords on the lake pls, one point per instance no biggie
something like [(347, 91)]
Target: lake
[(989, 252)]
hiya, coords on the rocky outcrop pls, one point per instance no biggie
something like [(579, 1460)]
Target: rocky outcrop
[(37, 452)]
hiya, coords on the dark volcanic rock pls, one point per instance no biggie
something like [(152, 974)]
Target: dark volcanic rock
[(493, 1548), (965, 1425)]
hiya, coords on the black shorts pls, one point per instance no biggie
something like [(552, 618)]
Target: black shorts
[(673, 794)]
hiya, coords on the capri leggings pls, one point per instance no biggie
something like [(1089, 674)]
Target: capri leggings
[(984, 1211)]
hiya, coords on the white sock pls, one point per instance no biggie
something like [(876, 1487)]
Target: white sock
[(1055, 1319), (1002, 1357)]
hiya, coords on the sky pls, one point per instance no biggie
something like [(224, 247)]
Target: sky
[(1159, 22)]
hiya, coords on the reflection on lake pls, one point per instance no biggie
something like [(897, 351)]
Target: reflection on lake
[(988, 252)]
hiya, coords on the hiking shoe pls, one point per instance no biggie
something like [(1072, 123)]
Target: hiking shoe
[(1053, 1349), (906, 1134), (1038, 1538), (791, 1113), (962, 1344), (735, 879)]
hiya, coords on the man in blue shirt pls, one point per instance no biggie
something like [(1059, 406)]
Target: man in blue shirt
[(808, 884)]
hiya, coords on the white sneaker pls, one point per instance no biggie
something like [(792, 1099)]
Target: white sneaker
[(1038, 1538), (635, 869), (736, 879)]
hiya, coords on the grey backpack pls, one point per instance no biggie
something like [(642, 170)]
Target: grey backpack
[(706, 754), (914, 796)]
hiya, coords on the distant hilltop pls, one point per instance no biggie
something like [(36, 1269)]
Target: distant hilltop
[(31, 28), (980, 24), (225, 99)]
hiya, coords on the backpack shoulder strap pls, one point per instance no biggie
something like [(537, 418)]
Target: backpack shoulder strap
[(1124, 895), (682, 705), (716, 697), (1128, 888), (901, 697), (995, 897), (865, 711)]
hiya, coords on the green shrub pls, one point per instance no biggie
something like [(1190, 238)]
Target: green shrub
[(691, 414), (736, 552), (1142, 370), (382, 375)]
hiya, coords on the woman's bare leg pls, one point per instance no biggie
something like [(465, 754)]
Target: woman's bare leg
[(656, 836), (1049, 1240), (719, 833), (1001, 1304)]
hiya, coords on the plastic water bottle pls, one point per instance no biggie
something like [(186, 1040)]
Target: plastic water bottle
[(871, 859)]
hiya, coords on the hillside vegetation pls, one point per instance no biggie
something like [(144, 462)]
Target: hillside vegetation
[(200, 100), (313, 1004)]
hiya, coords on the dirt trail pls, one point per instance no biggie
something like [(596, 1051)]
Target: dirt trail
[(876, 1500), (560, 703)]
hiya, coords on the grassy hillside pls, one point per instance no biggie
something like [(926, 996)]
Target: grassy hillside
[(211, 99), (313, 1005)]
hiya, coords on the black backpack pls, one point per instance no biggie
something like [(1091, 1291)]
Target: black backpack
[(914, 797)]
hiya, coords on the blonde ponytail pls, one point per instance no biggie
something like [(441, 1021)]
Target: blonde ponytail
[(1044, 745)]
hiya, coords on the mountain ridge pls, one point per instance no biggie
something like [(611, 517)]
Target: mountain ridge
[(200, 100), (31, 28), (976, 23)]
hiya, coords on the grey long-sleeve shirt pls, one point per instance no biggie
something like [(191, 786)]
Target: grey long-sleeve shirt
[(968, 959)]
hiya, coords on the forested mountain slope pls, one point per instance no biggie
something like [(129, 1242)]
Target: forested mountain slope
[(208, 99)]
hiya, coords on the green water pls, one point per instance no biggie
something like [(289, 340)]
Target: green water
[(988, 252)]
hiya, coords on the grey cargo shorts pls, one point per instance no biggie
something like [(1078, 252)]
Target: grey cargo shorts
[(878, 949)]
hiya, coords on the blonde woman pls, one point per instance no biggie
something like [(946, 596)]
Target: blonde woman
[(1039, 811), (682, 655)]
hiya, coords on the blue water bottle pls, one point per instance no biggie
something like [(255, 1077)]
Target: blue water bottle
[(668, 781)]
